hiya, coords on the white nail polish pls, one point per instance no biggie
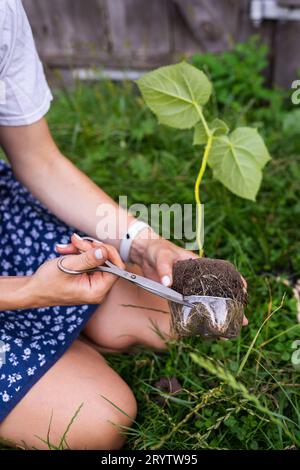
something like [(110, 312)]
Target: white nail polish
[(99, 253), (61, 245), (77, 236), (166, 281)]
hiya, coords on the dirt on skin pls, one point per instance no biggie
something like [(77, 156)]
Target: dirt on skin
[(205, 276), (210, 317)]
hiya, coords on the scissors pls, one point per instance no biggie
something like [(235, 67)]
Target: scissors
[(147, 284)]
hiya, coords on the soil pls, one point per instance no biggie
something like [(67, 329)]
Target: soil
[(205, 276), (168, 385), (212, 318)]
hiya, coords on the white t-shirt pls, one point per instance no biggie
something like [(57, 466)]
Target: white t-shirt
[(24, 94)]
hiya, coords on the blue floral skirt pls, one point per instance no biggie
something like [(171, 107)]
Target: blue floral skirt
[(31, 340)]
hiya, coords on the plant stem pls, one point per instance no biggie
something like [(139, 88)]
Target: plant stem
[(203, 120), (199, 179), (197, 194)]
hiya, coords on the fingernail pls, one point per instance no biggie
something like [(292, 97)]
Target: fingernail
[(61, 245), (77, 236), (166, 280), (98, 253)]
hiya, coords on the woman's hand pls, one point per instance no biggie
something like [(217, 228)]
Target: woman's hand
[(50, 286), (156, 257)]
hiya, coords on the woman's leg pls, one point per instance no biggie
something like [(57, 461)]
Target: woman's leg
[(81, 376), (120, 322)]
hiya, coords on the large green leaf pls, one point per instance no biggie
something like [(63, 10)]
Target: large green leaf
[(175, 93), (237, 161)]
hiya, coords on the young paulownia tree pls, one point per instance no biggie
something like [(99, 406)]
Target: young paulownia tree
[(177, 95)]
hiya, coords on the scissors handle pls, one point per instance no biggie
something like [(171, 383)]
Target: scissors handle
[(147, 284)]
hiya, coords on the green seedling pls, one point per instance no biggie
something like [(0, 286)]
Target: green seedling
[(177, 95)]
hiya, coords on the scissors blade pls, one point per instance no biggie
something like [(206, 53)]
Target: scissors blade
[(150, 285), (162, 291)]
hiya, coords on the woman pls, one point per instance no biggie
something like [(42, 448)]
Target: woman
[(49, 373)]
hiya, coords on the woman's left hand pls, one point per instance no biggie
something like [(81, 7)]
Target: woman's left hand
[(157, 257)]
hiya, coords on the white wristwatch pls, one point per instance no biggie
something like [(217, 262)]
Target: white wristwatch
[(129, 236)]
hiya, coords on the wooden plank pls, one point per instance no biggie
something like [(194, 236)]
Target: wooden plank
[(138, 29), (289, 3), (265, 31), (68, 27), (146, 34), (217, 28), (282, 38), (212, 25), (287, 53), (246, 27), (184, 43)]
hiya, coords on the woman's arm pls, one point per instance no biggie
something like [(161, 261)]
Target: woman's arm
[(58, 184), (74, 198), (15, 293), (49, 286), (39, 165)]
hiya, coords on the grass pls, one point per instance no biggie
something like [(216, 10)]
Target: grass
[(241, 394)]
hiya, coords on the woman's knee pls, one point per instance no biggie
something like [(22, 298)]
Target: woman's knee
[(80, 403), (133, 325), (103, 424), (117, 422)]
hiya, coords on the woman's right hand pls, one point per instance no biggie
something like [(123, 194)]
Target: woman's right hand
[(49, 286)]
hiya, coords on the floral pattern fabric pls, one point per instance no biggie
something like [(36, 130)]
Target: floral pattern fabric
[(31, 340)]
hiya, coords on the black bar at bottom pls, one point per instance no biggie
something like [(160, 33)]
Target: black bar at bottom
[(138, 459)]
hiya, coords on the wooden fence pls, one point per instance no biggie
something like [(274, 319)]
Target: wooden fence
[(141, 34)]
